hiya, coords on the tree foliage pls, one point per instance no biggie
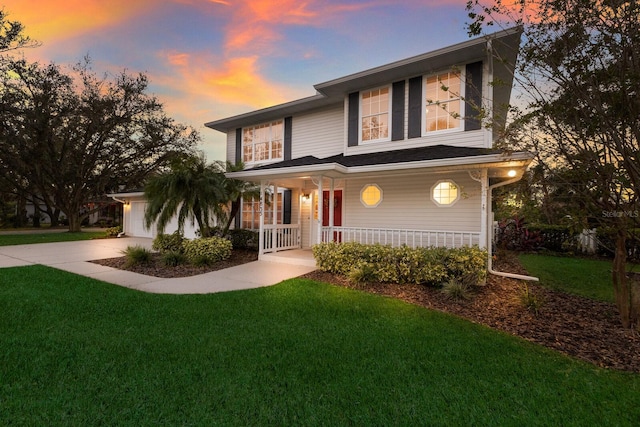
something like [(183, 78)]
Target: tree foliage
[(197, 191), (192, 190), (12, 35), (69, 137), (579, 80)]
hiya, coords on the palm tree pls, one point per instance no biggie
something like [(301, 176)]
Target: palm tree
[(193, 189), (235, 190)]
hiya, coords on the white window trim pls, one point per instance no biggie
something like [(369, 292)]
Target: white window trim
[(362, 192), (423, 120), (389, 112), (267, 212), (270, 159), (441, 205)]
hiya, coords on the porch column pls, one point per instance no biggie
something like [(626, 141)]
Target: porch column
[(320, 213), (299, 239), (331, 208), (484, 184), (261, 213), (274, 217)]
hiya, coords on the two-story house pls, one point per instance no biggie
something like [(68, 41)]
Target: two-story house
[(398, 154)]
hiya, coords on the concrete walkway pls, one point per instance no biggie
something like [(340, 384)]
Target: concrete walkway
[(74, 257)]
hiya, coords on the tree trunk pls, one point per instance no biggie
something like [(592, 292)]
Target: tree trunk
[(235, 207), (626, 291), (74, 222), (36, 214)]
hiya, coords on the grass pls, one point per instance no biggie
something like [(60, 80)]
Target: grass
[(585, 277), (63, 236), (75, 351)]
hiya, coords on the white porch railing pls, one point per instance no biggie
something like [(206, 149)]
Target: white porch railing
[(396, 237), (281, 237)]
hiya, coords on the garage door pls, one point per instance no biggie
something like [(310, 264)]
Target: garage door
[(137, 220)]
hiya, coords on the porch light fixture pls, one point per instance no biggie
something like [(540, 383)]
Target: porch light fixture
[(305, 197), (512, 173)]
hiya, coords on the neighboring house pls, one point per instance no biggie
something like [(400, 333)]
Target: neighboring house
[(134, 205), (397, 154)]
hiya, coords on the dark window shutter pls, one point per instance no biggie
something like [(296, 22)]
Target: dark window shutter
[(238, 145), (286, 208), (473, 96), (352, 124), (288, 126), (397, 111), (238, 218), (415, 107)]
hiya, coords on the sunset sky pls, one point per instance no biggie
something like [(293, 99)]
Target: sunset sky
[(210, 59)]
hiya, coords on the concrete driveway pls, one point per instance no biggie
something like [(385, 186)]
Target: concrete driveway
[(74, 257)]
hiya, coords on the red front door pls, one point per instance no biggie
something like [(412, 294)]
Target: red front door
[(337, 211), (337, 208)]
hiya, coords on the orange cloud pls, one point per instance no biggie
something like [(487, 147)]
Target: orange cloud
[(236, 80), (48, 21), (259, 23)]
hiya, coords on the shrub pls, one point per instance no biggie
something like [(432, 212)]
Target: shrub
[(457, 289), (113, 231), (173, 258), (243, 239), (168, 242), (362, 272), (402, 264), (137, 255), (207, 250), (530, 300)]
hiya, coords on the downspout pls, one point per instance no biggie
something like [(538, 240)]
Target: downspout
[(124, 202), (490, 236)]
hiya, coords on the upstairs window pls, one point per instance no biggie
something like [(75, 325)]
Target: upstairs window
[(374, 107), (263, 142), (442, 101)]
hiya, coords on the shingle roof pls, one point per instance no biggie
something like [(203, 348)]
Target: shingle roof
[(435, 152)]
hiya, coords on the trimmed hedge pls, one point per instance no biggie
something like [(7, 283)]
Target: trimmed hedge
[(207, 250), (384, 263)]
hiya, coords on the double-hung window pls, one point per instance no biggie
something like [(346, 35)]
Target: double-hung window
[(443, 101), (375, 106), (263, 142)]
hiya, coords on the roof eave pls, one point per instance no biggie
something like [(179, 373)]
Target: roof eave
[(514, 159)]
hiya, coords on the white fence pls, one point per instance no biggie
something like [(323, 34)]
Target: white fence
[(281, 237), (396, 237)]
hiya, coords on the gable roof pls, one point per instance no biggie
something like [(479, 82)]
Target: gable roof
[(502, 45)]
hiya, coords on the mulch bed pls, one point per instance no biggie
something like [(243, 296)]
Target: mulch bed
[(576, 326), (157, 269)]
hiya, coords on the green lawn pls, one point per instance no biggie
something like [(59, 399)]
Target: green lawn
[(74, 351), (586, 277), (62, 236)]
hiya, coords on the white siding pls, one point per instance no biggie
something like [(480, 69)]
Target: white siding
[(407, 204), (319, 133)]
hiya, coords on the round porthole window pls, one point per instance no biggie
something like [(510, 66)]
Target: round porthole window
[(371, 195), (445, 193)]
